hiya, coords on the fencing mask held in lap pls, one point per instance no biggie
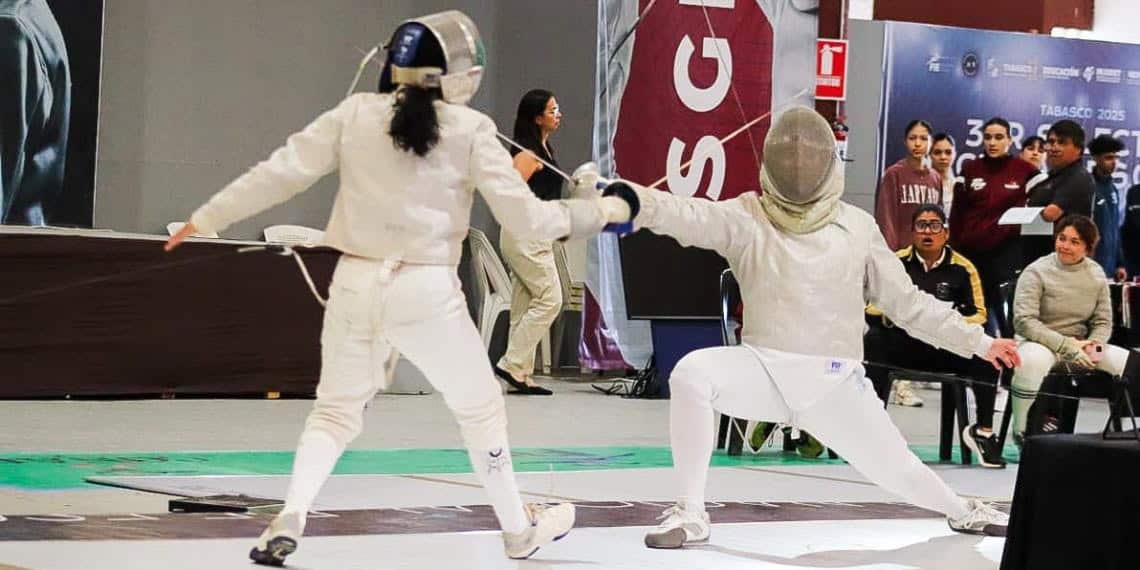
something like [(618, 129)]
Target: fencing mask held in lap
[(463, 53)]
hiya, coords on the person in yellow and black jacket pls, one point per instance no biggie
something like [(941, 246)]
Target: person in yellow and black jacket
[(948, 276)]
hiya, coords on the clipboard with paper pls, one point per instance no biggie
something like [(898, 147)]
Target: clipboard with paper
[(1029, 218)]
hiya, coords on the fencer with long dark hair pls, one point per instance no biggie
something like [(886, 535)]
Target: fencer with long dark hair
[(410, 160)]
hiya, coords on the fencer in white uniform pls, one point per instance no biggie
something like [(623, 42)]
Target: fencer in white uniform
[(807, 264), (410, 160)]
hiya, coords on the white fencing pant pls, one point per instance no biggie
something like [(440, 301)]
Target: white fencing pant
[(849, 419), (536, 299), (420, 311), (1036, 362)]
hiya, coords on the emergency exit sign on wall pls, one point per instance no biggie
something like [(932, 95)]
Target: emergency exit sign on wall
[(831, 69)]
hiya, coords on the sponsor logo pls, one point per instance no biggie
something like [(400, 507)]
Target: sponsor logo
[(1108, 75), (977, 183), (497, 460), (1023, 70), (1012, 186), (970, 64), (939, 64), (942, 291), (1060, 72), (1089, 73)]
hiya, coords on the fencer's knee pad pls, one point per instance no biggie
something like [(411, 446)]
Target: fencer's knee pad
[(483, 424), (1036, 360), (689, 378), (340, 422)]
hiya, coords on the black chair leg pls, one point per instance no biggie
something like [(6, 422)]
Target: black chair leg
[(946, 427), (722, 431), (1007, 411), (789, 443), (1006, 420), (963, 406), (736, 436), (1068, 419)]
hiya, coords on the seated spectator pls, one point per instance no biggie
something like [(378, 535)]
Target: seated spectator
[(948, 276), (1062, 312)]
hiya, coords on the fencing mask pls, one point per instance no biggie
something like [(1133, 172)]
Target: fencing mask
[(801, 175), (442, 50)]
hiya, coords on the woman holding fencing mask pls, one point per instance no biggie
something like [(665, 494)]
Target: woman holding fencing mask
[(410, 159)]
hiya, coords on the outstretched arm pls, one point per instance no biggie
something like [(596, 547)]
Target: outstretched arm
[(725, 227), (519, 211)]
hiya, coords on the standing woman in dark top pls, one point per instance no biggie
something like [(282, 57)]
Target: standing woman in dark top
[(536, 293), (992, 184)]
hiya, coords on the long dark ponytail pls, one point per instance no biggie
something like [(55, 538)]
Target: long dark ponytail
[(415, 125)]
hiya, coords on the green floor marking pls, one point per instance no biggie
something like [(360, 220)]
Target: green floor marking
[(53, 471)]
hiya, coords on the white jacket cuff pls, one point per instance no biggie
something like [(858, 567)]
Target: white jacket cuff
[(984, 344), (203, 223)]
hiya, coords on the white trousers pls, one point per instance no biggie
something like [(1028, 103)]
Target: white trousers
[(536, 299), (847, 417), (420, 311), (1036, 362)]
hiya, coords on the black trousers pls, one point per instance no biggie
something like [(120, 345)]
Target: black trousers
[(891, 346), (996, 266)]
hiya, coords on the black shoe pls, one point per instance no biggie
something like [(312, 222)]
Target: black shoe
[(538, 391), (986, 448), (519, 387), (274, 553)]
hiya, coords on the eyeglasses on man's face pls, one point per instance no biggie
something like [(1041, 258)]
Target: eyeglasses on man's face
[(929, 227)]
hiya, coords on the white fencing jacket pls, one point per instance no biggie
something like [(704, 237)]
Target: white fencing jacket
[(804, 294), (393, 204)]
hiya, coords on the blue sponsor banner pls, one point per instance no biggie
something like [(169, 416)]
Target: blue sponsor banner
[(957, 78)]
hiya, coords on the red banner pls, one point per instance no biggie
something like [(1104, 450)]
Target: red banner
[(690, 85)]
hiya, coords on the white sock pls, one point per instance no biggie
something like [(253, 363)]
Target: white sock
[(494, 470), (1020, 407), (691, 440), (317, 454)]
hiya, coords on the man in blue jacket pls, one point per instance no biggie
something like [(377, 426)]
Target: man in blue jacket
[(1106, 206)]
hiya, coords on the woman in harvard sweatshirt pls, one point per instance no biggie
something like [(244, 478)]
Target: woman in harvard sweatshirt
[(992, 184), (906, 185)]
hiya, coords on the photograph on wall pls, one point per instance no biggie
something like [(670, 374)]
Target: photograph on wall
[(50, 59)]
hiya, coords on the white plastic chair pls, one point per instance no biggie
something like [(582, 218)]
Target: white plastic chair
[(492, 284), (294, 235), (566, 281), (175, 227)]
